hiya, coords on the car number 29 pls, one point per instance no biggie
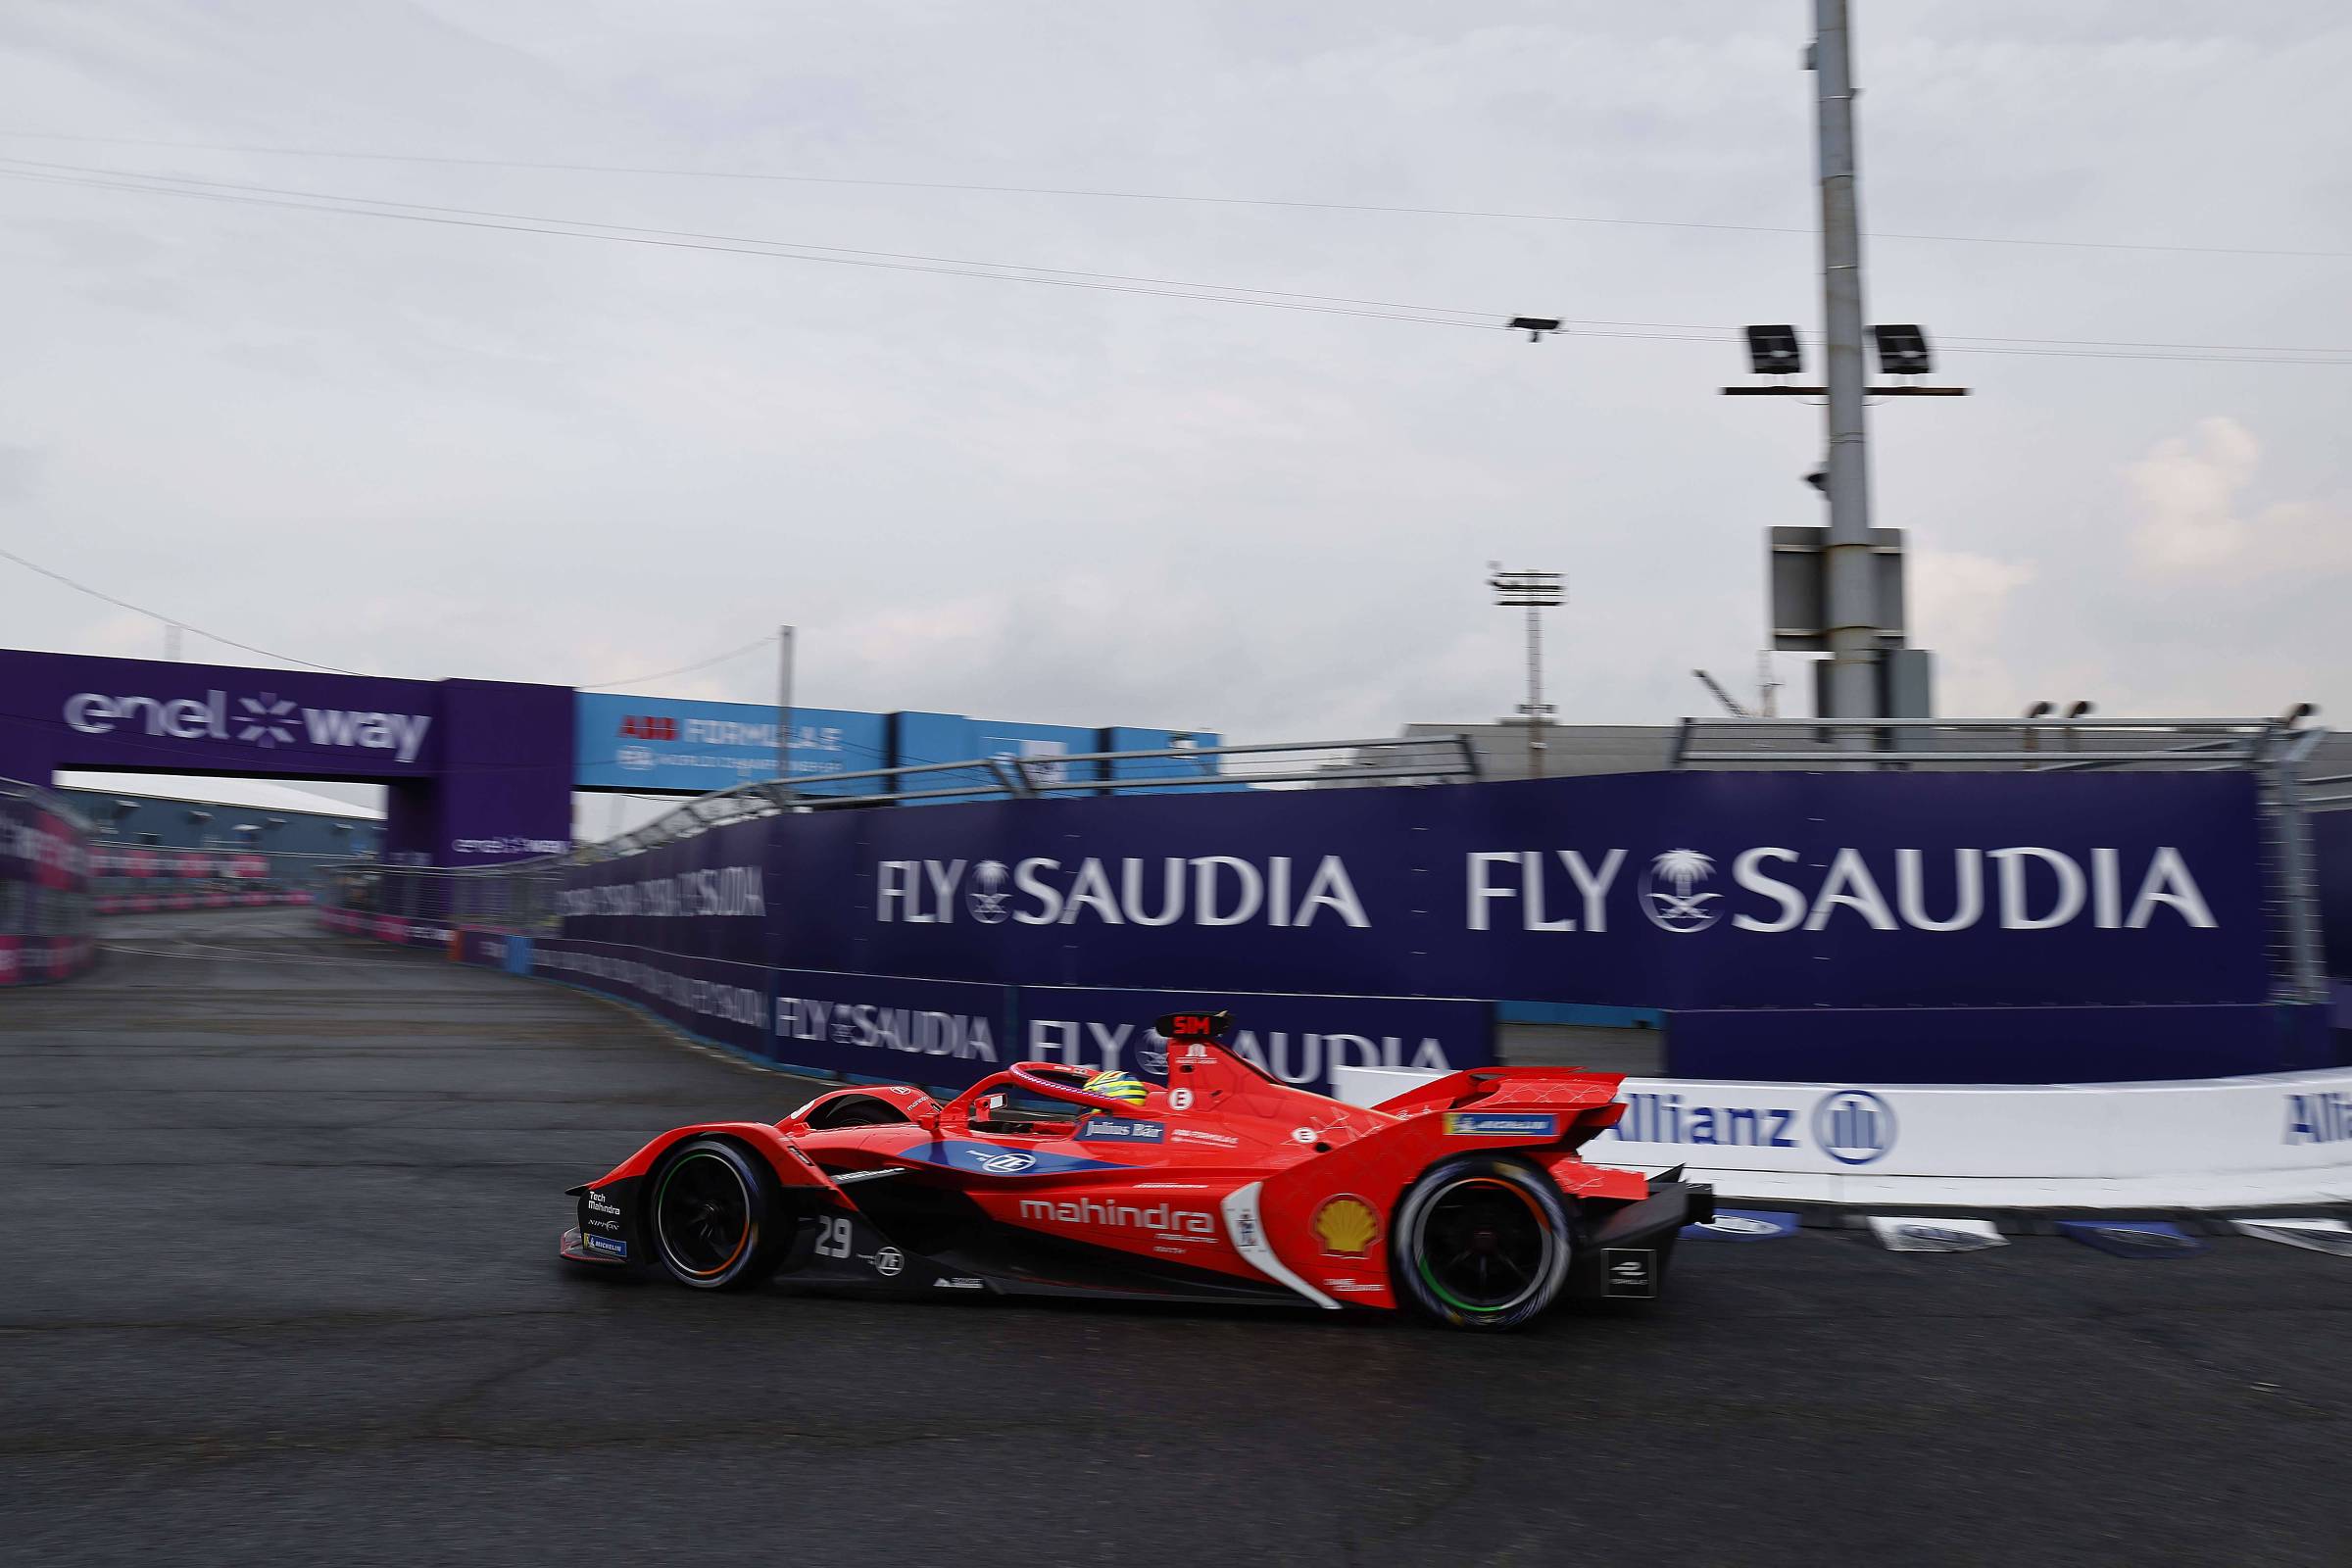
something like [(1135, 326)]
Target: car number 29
[(832, 1237)]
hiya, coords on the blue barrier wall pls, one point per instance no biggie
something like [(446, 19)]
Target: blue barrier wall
[(1884, 927)]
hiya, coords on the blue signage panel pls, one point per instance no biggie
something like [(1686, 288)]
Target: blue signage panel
[(1123, 739), (666, 745), (1674, 890), (1861, 926)]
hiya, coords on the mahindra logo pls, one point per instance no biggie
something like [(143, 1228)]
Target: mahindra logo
[(1152, 1217)]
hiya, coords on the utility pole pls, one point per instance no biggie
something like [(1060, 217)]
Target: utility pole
[(784, 709), (1537, 591), (1850, 591)]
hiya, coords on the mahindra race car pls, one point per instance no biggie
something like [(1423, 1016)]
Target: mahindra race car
[(1463, 1198)]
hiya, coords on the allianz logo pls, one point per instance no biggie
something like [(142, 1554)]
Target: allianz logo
[(2324, 1117), (1772, 888), (1206, 890), (267, 721), (1851, 1126)]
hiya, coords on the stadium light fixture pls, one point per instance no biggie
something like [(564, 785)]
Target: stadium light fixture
[(1535, 326), (1904, 350), (1533, 592), (1773, 351)]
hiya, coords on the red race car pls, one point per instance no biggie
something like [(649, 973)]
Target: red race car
[(1463, 1198)]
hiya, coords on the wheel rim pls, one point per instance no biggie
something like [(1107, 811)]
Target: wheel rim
[(1482, 1245), (703, 1215)]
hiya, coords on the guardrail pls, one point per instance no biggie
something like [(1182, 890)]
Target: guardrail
[(44, 887), (2223, 1143), (521, 895)]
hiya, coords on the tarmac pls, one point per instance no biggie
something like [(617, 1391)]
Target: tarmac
[(282, 1289)]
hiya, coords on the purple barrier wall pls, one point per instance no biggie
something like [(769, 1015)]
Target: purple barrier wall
[(1890, 928)]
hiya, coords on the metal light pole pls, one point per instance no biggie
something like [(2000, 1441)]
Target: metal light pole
[(1536, 592), (1850, 591), (784, 708)]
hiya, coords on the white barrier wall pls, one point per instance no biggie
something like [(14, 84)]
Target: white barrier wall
[(2214, 1143)]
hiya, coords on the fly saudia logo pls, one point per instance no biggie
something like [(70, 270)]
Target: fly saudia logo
[(267, 721), (1208, 889), (2025, 888)]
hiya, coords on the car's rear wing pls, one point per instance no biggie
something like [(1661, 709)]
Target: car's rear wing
[(1587, 1102)]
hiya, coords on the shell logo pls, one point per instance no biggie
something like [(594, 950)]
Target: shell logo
[(1347, 1226)]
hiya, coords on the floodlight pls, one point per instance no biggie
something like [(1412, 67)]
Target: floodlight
[(1904, 350), (1773, 351), (1535, 326)]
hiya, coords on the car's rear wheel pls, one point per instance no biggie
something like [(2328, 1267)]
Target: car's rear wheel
[(1482, 1242), (715, 1214)]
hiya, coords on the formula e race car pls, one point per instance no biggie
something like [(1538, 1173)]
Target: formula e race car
[(1463, 1198)]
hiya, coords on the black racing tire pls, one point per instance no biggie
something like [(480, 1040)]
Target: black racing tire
[(713, 1216), (1482, 1242)]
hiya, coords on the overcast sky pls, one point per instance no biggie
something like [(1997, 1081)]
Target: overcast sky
[(431, 450)]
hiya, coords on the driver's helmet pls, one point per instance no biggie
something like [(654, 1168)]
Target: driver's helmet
[(1119, 1086)]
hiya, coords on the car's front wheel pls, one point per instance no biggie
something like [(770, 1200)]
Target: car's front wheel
[(1482, 1242), (714, 1216)]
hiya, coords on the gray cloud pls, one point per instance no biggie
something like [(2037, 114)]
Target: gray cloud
[(441, 451)]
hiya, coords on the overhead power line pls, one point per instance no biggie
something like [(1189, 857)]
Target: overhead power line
[(138, 182), (685, 670), (168, 620), (779, 249), (675, 171)]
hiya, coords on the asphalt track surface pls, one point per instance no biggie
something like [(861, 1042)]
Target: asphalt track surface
[(280, 1290)]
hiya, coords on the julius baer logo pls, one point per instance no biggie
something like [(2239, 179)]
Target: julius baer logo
[(267, 721)]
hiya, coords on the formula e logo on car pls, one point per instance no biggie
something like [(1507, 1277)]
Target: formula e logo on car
[(1009, 1164), (988, 894), (1853, 1126), (1667, 892)]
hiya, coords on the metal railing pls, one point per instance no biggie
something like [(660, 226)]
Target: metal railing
[(2037, 745), (523, 896)]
